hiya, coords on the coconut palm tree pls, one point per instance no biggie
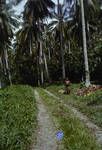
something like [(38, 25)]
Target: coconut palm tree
[(87, 74), (34, 13), (6, 32), (61, 18), (57, 25), (89, 4), (83, 20), (37, 10)]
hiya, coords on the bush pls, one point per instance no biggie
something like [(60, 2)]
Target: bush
[(17, 117)]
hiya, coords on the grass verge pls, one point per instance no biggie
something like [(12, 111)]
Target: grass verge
[(76, 135), (91, 105), (17, 118)]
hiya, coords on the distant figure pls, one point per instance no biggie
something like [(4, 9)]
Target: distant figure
[(67, 84)]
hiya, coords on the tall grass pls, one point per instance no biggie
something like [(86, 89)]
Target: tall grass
[(90, 104), (17, 117), (76, 135)]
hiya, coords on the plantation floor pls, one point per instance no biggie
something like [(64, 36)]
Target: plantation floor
[(46, 137), (54, 116), (18, 117), (90, 105), (97, 131)]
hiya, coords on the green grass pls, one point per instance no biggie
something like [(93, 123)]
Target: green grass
[(90, 106), (17, 118), (95, 99), (76, 135)]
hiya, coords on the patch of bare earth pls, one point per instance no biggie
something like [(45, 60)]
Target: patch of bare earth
[(46, 136)]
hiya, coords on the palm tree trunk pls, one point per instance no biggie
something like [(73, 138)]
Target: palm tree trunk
[(88, 33), (3, 63), (62, 53), (58, 6), (87, 74), (69, 47), (49, 53), (41, 55), (38, 70), (46, 66), (7, 66), (0, 73), (31, 45), (0, 84), (61, 42), (41, 64)]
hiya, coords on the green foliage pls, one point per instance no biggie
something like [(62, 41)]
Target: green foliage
[(17, 117), (26, 70), (25, 62)]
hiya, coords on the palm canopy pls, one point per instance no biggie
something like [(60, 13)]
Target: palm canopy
[(62, 15), (5, 27), (90, 9), (14, 2), (37, 9), (26, 37)]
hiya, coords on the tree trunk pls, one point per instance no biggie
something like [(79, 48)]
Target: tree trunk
[(41, 64), (0, 84), (7, 66), (30, 48), (62, 55), (58, 6), (30, 45), (49, 53), (88, 33), (46, 66), (0, 73), (61, 41), (38, 70), (69, 47), (87, 74), (3, 63)]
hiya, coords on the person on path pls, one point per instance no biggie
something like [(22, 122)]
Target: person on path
[(67, 84)]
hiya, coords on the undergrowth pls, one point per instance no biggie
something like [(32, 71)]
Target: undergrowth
[(76, 135), (17, 118)]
